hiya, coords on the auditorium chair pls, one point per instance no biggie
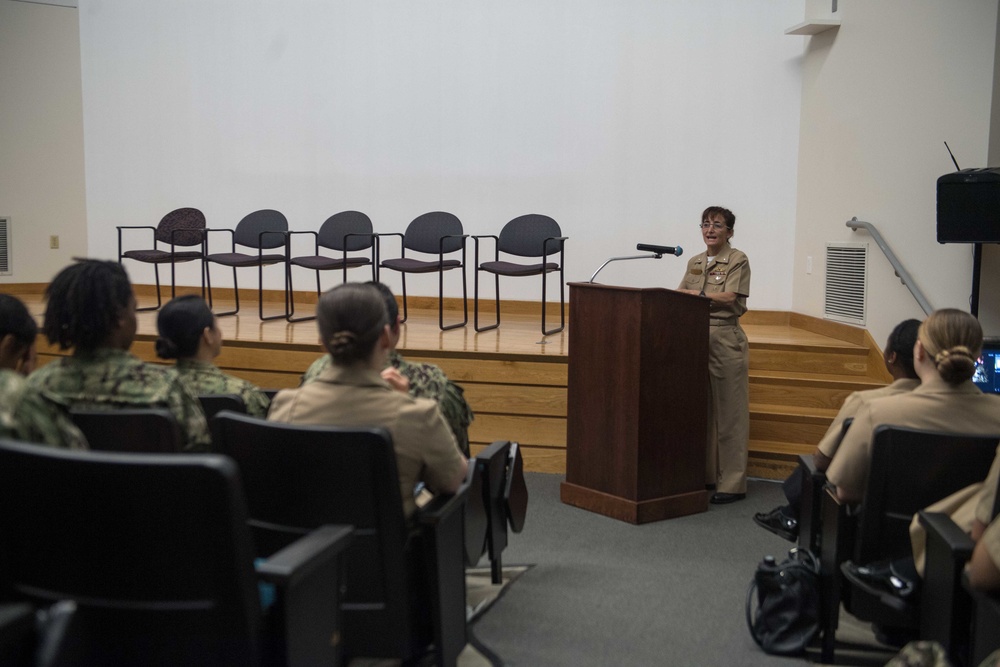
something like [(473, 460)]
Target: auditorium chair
[(436, 233), (150, 430), (910, 469), (347, 231), (184, 228), (811, 501), (155, 553), (261, 230), (213, 404), (404, 592), (532, 236), (505, 495)]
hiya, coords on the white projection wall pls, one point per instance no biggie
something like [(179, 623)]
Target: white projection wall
[(622, 120)]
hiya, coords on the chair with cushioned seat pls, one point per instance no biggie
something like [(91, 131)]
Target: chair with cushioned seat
[(155, 552), (261, 230), (533, 236), (150, 430), (181, 228), (436, 233), (347, 231)]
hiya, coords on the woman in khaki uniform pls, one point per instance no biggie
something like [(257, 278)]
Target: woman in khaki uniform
[(722, 274)]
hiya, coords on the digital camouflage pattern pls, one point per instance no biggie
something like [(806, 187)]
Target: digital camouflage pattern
[(202, 378), (28, 415), (107, 379), (932, 654), (426, 381)]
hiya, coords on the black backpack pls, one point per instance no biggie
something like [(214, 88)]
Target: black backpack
[(786, 617)]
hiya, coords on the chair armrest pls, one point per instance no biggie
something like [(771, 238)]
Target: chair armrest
[(232, 236), (136, 227), (475, 247), (305, 556), (940, 527), (808, 463), (945, 606), (442, 506)]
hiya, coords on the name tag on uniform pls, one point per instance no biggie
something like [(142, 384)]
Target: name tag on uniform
[(696, 272)]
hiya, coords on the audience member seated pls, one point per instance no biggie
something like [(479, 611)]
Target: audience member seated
[(947, 401), (190, 333), (898, 356), (27, 414), (425, 380), (91, 309), (354, 328), (984, 568)]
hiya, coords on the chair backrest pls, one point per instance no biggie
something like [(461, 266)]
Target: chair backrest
[(333, 232), (425, 232), (213, 404), (182, 226), (491, 466), (153, 549), (150, 430), (525, 236), (911, 469), (248, 232), (341, 476)]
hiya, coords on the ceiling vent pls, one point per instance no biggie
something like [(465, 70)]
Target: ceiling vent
[(846, 282), (5, 247)]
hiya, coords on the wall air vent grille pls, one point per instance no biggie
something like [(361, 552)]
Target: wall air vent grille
[(5, 247), (846, 282)]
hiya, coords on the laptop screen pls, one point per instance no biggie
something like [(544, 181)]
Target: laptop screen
[(987, 375)]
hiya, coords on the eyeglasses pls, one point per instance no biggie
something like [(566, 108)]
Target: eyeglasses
[(717, 226)]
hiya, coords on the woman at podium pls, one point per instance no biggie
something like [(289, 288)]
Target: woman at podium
[(722, 274)]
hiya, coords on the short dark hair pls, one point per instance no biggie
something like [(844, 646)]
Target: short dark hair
[(350, 318), (85, 301), (726, 214), (180, 324), (901, 341), (16, 321)]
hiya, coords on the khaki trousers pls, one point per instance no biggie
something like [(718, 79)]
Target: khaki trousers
[(728, 407)]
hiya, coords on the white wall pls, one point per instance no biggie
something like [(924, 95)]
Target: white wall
[(41, 138), (879, 96), (622, 120)]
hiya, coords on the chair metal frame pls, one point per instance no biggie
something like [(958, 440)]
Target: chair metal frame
[(512, 269), (173, 257), (262, 260), (445, 246), (350, 242)]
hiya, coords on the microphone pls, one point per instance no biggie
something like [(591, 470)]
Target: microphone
[(676, 251)]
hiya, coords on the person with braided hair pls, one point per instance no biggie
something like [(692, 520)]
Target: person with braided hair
[(358, 389), (91, 309), (944, 357)]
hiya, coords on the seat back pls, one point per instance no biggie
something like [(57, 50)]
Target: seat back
[(213, 404), (425, 232), (149, 430), (525, 236), (341, 476), (153, 549), (491, 464), (911, 469), (182, 226), (333, 232), (248, 232)]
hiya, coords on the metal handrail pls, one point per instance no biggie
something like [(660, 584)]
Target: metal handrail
[(901, 273)]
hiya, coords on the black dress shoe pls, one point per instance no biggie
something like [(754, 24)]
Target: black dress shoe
[(779, 524), (721, 498), (883, 581)]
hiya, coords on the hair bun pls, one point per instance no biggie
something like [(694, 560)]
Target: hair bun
[(342, 342), (166, 348)]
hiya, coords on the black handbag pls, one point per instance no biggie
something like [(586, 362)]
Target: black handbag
[(785, 617)]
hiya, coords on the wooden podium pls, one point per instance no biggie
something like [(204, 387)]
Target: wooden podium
[(637, 415)]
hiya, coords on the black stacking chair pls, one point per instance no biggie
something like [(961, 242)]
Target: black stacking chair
[(347, 231), (533, 236), (181, 228), (505, 496), (404, 593), (155, 553), (213, 404), (436, 233), (261, 230), (910, 470), (149, 430)]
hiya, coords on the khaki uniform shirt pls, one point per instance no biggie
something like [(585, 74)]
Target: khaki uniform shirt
[(991, 538), (831, 440), (28, 415), (988, 494), (425, 448), (107, 379), (729, 271), (426, 381), (204, 378), (934, 405)]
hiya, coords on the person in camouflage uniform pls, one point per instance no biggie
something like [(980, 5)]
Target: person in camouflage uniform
[(424, 380), (189, 333), (91, 309), (27, 414)]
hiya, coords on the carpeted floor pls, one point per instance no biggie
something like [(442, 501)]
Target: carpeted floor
[(603, 592)]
